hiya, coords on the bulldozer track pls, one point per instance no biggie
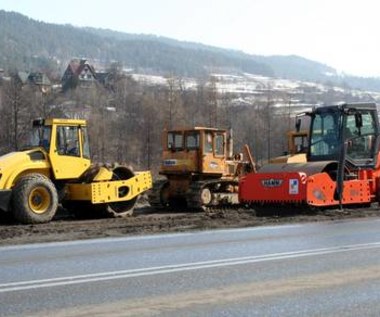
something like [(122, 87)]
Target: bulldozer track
[(193, 195), (154, 195), (193, 198), (216, 206)]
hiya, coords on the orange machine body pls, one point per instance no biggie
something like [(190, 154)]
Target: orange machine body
[(341, 169)]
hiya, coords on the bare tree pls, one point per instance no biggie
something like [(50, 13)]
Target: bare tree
[(212, 102), (19, 108), (175, 111)]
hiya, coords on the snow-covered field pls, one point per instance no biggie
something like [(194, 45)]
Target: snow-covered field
[(246, 89)]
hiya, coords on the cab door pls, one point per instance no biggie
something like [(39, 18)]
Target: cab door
[(214, 152), (69, 154)]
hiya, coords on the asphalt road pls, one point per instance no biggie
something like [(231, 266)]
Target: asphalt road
[(321, 269)]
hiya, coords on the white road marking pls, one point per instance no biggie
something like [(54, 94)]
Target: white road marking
[(122, 274)]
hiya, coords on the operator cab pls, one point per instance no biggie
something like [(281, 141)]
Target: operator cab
[(212, 141), (67, 137), (355, 125), (197, 150), (67, 144)]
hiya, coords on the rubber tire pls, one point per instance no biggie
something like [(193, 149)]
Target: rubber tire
[(21, 210)]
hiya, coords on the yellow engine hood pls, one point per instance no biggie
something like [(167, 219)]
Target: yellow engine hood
[(16, 164)]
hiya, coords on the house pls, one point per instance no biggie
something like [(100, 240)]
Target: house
[(41, 80), (36, 79), (79, 73), (21, 77)]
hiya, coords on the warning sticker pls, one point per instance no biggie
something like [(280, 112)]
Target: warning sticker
[(293, 186)]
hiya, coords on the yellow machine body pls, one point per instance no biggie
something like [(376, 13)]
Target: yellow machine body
[(57, 167), (17, 164), (110, 191)]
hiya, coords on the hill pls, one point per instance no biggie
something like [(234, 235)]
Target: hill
[(27, 44)]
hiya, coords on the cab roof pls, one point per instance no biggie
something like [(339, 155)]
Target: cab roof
[(346, 106), (59, 121), (196, 129)]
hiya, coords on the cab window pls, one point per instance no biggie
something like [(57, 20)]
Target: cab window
[(219, 144), (45, 138), (192, 140), (67, 142), (85, 142), (361, 139), (41, 137), (325, 134), (208, 142), (175, 141)]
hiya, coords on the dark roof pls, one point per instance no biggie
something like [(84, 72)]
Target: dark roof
[(76, 66), (39, 79)]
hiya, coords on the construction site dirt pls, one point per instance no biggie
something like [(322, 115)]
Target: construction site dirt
[(148, 221)]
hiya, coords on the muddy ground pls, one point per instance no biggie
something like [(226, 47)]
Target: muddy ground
[(148, 221)]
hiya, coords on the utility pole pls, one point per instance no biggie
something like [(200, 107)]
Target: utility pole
[(269, 120)]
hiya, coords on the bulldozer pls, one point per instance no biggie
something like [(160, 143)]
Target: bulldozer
[(342, 165), (200, 170), (56, 168)]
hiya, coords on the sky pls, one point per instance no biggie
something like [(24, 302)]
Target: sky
[(343, 34)]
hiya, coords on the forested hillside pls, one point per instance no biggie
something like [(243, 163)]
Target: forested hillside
[(25, 43), (32, 45)]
